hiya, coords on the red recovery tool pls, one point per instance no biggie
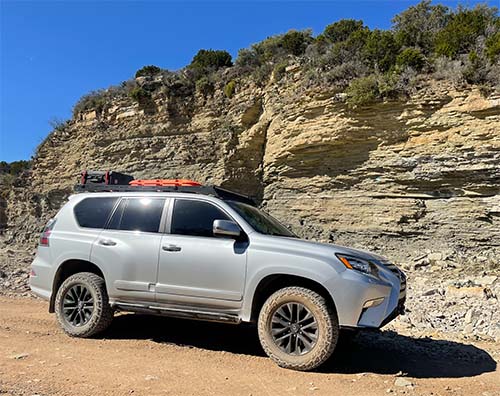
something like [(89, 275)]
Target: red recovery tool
[(165, 183)]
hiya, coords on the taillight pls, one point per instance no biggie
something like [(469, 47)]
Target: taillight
[(44, 238)]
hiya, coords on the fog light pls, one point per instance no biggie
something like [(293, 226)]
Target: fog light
[(373, 303)]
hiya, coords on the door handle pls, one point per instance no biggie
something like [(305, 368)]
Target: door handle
[(171, 248), (107, 242)]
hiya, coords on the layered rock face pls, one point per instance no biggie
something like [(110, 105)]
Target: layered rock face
[(401, 178)]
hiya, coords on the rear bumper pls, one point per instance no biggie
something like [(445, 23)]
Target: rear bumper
[(40, 292), (40, 279)]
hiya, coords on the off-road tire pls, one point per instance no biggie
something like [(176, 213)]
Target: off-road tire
[(326, 319), (102, 314)]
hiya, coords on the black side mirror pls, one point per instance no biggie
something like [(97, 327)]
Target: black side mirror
[(226, 228)]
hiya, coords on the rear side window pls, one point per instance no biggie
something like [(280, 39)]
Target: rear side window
[(94, 212), (138, 214), (195, 218)]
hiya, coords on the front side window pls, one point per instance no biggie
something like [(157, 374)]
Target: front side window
[(195, 218), (137, 214), (260, 221), (94, 212)]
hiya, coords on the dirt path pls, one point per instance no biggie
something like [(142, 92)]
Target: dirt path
[(158, 356)]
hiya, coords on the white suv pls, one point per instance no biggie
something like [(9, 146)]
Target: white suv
[(206, 256)]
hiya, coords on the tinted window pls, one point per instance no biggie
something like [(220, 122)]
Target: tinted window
[(94, 212), (137, 214), (260, 220), (195, 218)]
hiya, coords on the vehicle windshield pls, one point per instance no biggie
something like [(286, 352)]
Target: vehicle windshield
[(260, 221)]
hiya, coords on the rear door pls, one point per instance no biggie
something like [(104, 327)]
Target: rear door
[(196, 268), (129, 246)]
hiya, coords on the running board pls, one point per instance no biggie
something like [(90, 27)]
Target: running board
[(179, 313)]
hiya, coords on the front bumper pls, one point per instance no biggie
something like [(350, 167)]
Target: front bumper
[(352, 289)]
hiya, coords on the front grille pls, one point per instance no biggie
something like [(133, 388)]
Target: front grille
[(395, 270)]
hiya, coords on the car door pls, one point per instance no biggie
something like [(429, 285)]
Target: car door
[(129, 246), (196, 268)]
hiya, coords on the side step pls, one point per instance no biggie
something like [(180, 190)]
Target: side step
[(178, 313)]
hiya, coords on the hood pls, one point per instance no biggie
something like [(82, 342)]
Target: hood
[(318, 247)]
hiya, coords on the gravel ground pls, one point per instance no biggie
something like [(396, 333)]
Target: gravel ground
[(142, 355)]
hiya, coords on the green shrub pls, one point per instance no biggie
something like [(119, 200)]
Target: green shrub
[(14, 168), (229, 89), (262, 73), (418, 25), (493, 46), (247, 58), (380, 50), (411, 57), (211, 59), (461, 33), (150, 70), (275, 48), (295, 42), (477, 69), (140, 95), (362, 91), (205, 86), (280, 70), (269, 49), (341, 30), (95, 100)]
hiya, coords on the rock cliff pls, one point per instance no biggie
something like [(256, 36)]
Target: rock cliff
[(403, 178)]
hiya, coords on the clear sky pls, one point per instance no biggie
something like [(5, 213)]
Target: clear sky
[(53, 52)]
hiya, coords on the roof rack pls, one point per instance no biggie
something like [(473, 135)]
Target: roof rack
[(214, 191)]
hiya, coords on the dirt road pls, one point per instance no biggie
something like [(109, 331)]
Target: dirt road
[(142, 355)]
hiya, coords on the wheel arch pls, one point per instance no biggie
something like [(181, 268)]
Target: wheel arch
[(274, 282), (68, 268)]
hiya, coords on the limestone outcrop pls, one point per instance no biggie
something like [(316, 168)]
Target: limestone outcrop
[(403, 178)]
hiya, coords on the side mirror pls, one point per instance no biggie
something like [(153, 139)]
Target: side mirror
[(226, 228)]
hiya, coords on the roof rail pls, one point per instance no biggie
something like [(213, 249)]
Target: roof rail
[(214, 191)]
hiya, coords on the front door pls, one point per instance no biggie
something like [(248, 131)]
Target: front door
[(129, 248), (195, 267)]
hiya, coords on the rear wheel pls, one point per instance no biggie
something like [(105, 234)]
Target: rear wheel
[(297, 328), (82, 307)]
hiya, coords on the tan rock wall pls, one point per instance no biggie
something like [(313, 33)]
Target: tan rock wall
[(401, 177)]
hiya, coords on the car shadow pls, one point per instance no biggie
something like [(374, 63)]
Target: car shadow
[(379, 352)]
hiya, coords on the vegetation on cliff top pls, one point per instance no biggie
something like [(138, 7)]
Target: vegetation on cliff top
[(461, 45)]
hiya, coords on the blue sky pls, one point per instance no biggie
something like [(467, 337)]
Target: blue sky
[(53, 52)]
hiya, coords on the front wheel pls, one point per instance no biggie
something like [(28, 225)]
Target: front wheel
[(82, 307), (297, 328)]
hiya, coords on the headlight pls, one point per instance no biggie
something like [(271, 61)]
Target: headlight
[(356, 263)]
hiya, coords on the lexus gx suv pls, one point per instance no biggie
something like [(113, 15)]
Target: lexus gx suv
[(204, 257)]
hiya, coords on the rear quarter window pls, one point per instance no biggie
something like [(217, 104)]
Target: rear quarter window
[(94, 212)]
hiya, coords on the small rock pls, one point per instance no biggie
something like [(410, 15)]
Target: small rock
[(434, 257), (463, 292), (468, 316), (468, 329), (486, 280), (20, 356), (422, 263), (150, 377), (400, 381)]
